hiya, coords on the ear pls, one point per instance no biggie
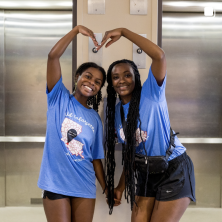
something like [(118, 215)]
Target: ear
[(77, 77)]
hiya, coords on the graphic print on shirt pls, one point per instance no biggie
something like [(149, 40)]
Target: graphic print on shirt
[(138, 137), (70, 130)]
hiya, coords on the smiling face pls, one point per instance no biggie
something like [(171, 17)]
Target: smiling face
[(123, 80), (88, 84)]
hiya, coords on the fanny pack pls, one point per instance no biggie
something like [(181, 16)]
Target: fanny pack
[(151, 164)]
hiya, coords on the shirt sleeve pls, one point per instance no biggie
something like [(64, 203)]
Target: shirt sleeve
[(97, 147), (152, 90), (58, 93)]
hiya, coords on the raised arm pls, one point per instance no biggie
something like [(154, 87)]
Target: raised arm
[(53, 64), (152, 50)]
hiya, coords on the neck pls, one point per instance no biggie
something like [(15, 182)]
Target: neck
[(81, 99), (126, 99)]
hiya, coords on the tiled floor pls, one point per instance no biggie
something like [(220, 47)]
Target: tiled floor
[(36, 214)]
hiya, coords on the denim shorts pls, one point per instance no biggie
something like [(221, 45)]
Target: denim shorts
[(177, 182)]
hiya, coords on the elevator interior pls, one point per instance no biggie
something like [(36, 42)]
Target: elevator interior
[(193, 47), (26, 39)]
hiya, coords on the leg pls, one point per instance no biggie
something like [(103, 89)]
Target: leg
[(82, 209), (169, 211), (57, 210), (143, 211)]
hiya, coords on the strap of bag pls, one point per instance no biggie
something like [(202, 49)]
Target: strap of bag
[(123, 119), (172, 145)]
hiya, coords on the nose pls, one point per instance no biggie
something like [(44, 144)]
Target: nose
[(121, 80), (92, 82)]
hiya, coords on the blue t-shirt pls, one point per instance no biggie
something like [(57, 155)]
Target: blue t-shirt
[(155, 122), (73, 141)]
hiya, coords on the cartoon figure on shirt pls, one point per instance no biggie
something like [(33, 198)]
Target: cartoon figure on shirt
[(70, 130), (138, 137)]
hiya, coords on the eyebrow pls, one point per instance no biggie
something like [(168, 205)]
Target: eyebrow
[(123, 72), (92, 75)]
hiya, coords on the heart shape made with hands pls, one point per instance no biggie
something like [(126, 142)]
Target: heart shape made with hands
[(114, 35)]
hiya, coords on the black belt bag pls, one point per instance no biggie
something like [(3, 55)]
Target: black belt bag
[(152, 164), (155, 164)]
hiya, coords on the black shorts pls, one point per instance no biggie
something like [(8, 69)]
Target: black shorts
[(53, 196), (177, 182)]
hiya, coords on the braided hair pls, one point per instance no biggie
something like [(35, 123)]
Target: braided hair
[(93, 101), (128, 150)]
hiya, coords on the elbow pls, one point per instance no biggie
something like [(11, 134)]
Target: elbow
[(52, 55), (161, 55)]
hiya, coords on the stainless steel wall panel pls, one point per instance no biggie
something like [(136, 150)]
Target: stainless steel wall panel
[(194, 79), (36, 4), (2, 174), (22, 171), (190, 6), (29, 36), (193, 48), (2, 112), (207, 166), (2, 72)]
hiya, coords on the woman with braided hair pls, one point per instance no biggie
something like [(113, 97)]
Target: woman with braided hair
[(73, 148), (142, 125)]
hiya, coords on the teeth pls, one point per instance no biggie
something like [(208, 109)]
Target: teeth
[(88, 88)]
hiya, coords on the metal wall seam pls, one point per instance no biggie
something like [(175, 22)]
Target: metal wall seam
[(41, 139)]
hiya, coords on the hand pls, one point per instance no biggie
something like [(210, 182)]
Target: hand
[(117, 197), (87, 32), (114, 35)]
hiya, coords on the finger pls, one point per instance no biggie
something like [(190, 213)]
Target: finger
[(94, 41), (109, 43), (105, 36), (116, 204)]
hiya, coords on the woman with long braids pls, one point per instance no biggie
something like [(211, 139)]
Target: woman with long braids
[(73, 148), (142, 125)]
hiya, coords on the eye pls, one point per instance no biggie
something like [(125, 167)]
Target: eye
[(128, 75), (115, 77), (98, 83), (87, 76)]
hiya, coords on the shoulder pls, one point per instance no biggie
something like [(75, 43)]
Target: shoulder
[(96, 116)]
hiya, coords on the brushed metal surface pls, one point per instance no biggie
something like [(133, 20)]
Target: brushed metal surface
[(94, 55), (35, 139), (96, 7), (23, 162), (138, 7), (2, 72), (36, 4), (40, 139), (2, 175), (29, 36), (190, 6), (193, 48), (139, 59), (2, 112)]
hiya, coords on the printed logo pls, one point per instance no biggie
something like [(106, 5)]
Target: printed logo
[(169, 191), (138, 137), (70, 130)]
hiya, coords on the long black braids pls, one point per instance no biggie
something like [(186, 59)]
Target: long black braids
[(128, 151), (93, 101)]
